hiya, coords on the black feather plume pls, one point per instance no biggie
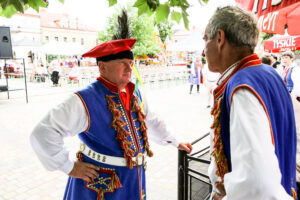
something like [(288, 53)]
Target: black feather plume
[(123, 27)]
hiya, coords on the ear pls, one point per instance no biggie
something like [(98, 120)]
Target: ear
[(220, 39), (101, 66)]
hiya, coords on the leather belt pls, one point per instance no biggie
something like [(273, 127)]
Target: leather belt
[(140, 159)]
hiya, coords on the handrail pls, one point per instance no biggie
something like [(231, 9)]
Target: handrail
[(202, 137), (183, 169), (200, 151)]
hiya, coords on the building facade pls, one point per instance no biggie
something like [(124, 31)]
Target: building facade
[(63, 28)]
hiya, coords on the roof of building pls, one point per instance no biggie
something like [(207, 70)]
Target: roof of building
[(62, 21)]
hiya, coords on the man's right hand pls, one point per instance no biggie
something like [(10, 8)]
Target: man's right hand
[(85, 171)]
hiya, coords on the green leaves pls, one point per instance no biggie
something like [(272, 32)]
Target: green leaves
[(11, 7), (8, 12), (141, 27), (143, 7), (165, 29), (162, 12), (36, 4), (112, 2), (176, 16), (18, 4)]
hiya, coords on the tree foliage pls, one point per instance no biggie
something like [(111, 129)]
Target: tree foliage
[(165, 30), (142, 29), (171, 9), (265, 36), (11, 7)]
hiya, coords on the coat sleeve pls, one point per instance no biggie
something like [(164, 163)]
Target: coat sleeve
[(47, 139), (255, 169)]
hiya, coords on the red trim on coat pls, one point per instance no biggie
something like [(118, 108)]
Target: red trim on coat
[(87, 111)]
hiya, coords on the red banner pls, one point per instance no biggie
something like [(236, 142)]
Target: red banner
[(275, 15), (282, 44)]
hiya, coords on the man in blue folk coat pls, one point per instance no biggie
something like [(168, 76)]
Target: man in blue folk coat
[(108, 118)]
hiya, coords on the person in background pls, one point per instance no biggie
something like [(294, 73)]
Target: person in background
[(41, 72), (275, 62), (196, 74), (74, 74), (112, 124), (266, 59), (253, 136), (55, 73), (291, 78), (287, 61)]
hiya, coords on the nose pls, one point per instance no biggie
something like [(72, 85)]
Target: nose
[(128, 65)]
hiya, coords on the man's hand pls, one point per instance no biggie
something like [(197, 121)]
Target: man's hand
[(298, 99), (185, 146), (85, 171), (217, 196), (222, 192)]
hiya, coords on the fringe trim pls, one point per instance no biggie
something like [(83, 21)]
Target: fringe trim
[(118, 124), (294, 193), (100, 194), (218, 148), (143, 127)]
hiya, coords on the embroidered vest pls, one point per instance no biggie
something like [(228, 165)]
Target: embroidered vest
[(265, 83), (288, 79), (109, 132)]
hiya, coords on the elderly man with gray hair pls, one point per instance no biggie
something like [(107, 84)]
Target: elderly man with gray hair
[(253, 150)]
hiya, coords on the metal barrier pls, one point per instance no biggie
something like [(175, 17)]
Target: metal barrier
[(193, 181)]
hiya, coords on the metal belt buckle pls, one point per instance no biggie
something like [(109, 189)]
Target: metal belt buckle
[(139, 160)]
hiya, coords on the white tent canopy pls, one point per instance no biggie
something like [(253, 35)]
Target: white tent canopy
[(62, 48), (193, 42)]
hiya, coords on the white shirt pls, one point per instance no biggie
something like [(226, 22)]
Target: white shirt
[(296, 80), (69, 119), (255, 171)]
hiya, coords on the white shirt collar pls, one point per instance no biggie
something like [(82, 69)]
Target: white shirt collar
[(227, 72)]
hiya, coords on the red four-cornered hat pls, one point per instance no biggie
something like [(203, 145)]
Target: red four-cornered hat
[(110, 48)]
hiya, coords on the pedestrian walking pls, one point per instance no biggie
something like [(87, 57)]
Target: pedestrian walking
[(196, 74)]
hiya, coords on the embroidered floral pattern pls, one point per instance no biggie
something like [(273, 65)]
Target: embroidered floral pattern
[(218, 152), (294, 193), (143, 127), (118, 124), (111, 182)]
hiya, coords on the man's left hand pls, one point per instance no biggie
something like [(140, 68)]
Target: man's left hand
[(216, 196), (222, 192), (185, 146)]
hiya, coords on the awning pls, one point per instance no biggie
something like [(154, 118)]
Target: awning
[(276, 15), (278, 44)]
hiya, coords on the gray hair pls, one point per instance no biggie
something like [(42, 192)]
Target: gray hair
[(240, 27), (289, 53)]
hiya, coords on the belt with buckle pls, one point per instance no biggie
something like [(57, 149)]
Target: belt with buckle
[(140, 159)]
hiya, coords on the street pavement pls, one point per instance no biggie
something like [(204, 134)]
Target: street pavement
[(22, 177)]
